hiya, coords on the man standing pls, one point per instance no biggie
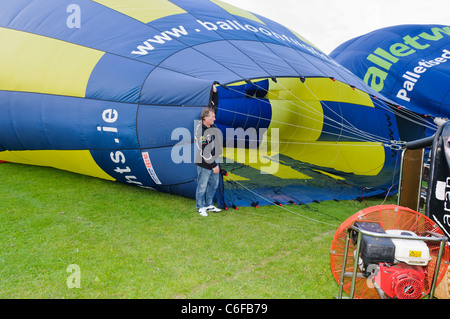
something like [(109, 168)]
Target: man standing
[(209, 145)]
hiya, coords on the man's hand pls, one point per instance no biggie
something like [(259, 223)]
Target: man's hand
[(216, 170)]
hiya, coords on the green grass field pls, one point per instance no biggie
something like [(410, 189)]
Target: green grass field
[(128, 242)]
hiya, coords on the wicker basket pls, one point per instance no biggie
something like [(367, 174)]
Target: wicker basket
[(443, 289)]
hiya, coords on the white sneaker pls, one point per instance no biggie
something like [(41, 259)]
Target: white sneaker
[(213, 208), (202, 211)]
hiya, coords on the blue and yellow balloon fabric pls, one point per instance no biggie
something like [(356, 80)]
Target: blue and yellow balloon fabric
[(409, 64), (112, 89)]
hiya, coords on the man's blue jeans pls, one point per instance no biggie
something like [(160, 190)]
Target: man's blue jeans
[(207, 183)]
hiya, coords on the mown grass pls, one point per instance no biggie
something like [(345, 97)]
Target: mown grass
[(135, 243)]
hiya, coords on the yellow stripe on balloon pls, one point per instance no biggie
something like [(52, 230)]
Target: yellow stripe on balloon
[(360, 158), (236, 11), (297, 112), (34, 63), (78, 161), (143, 10), (261, 161), (318, 89)]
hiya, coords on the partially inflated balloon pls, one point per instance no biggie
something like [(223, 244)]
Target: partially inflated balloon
[(410, 64), (113, 89)]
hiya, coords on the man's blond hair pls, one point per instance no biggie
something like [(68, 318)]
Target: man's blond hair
[(205, 112)]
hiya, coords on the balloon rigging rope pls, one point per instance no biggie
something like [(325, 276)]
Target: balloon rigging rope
[(369, 137), (283, 207), (297, 113), (304, 116), (414, 118), (299, 126), (342, 127), (303, 216), (349, 129), (317, 112), (418, 120), (349, 126)]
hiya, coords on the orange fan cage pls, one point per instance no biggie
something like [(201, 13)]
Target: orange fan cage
[(389, 217)]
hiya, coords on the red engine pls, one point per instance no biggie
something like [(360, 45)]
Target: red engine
[(401, 281)]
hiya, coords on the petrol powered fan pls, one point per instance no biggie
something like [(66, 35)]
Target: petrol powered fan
[(388, 267)]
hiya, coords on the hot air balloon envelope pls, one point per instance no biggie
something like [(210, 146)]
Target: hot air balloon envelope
[(409, 64), (113, 89)]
